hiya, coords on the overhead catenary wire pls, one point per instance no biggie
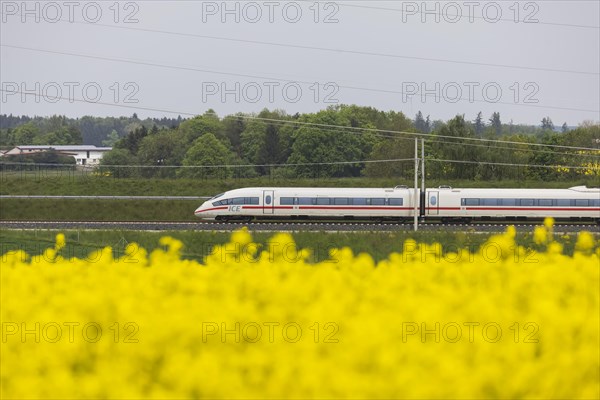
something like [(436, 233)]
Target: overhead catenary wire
[(332, 50), (407, 160)]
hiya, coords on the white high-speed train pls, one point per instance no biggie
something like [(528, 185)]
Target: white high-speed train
[(443, 203)]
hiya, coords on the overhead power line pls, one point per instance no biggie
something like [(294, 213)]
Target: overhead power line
[(411, 160), (331, 50), (262, 77)]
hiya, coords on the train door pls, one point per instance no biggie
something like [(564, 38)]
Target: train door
[(268, 202), (433, 203)]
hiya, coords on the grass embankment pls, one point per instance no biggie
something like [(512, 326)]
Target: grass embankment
[(199, 244), (24, 184), (98, 210)]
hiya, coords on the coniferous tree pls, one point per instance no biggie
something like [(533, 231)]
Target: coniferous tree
[(420, 122), (496, 124), (479, 124)]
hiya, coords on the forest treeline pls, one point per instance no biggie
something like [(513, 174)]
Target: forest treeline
[(340, 141)]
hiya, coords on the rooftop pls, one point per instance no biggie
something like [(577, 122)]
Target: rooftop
[(73, 147)]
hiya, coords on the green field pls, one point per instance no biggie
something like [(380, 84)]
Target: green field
[(85, 184), (198, 244), (98, 210)]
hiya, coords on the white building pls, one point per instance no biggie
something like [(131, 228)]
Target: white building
[(83, 154)]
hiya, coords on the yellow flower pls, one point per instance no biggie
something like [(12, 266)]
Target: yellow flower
[(585, 241), (423, 323), (60, 241), (540, 235)]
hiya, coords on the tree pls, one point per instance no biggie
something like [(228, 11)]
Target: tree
[(165, 148), (496, 124), (133, 139), (390, 149), (207, 150), (115, 160), (427, 125), (420, 124), (479, 124), (261, 143), (195, 127), (233, 126), (455, 150), (25, 134), (547, 124), (564, 128), (111, 139), (336, 147)]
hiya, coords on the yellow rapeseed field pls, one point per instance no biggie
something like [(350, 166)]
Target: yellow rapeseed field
[(263, 322)]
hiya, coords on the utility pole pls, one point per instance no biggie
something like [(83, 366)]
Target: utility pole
[(423, 173), (416, 199)]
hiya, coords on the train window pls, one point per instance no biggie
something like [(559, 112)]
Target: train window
[(507, 202), (581, 202), (398, 202), (378, 201), (527, 202), (359, 201), (595, 202), (286, 201), (238, 200), (254, 200), (342, 201), (545, 202), (323, 201), (305, 200), (489, 202), (563, 202), (470, 202)]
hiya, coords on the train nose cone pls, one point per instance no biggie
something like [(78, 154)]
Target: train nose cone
[(204, 212)]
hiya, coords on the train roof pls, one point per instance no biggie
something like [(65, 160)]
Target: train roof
[(402, 187)]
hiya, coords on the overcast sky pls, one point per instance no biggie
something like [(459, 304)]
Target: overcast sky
[(160, 58)]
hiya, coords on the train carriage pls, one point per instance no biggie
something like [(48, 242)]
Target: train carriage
[(306, 203), (578, 202)]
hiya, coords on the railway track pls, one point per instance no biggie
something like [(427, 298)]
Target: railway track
[(287, 226)]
